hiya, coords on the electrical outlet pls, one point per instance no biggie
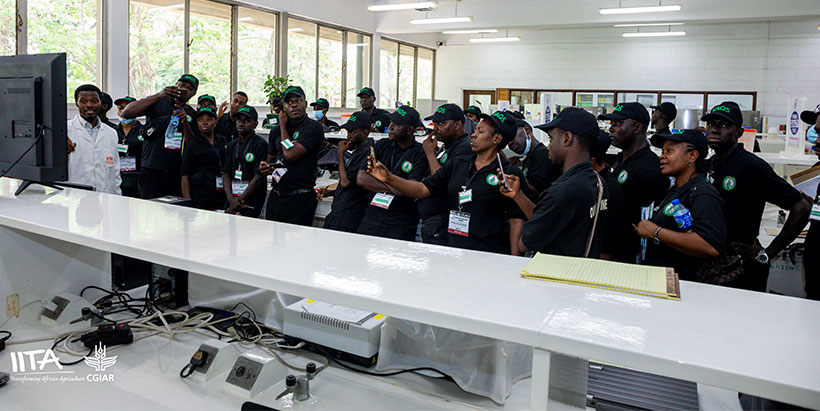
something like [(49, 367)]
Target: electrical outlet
[(13, 305)]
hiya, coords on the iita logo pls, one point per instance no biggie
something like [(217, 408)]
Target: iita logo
[(44, 366)]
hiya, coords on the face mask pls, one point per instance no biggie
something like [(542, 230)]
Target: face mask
[(528, 146), (126, 121), (318, 114), (812, 135)]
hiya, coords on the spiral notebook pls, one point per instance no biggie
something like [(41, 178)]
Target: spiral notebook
[(644, 280)]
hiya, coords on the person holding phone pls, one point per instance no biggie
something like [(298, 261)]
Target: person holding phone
[(479, 212)]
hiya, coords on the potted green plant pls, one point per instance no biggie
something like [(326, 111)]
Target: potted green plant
[(274, 87)]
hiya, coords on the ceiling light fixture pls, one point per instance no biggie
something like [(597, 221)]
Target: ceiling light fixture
[(495, 39), (403, 6), (646, 9), (469, 31), (444, 20), (647, 24), (656, 34)]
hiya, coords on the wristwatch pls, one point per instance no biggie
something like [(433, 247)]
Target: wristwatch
[(762, 257), (655, 238)]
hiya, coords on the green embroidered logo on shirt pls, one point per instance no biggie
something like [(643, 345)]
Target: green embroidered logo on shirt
[(378, 123), (492, 180), (443, 158), (295, 135), (622, 176), (407, 166), (249, 157), (669, 209), (729, 183)]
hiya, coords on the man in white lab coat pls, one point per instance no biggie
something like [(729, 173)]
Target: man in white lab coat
[(93, 159)]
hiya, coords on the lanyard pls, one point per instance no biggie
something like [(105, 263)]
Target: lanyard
[(470, 178), (247, 149)]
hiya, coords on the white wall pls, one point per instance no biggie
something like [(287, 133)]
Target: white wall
[(777, 60)]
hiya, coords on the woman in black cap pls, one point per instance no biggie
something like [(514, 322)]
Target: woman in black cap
[(202, 160), (478, 211), (688, 228)]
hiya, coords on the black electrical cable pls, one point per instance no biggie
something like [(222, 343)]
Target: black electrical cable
[(376, 374), (246, 306), (90, 351), (37, 140)]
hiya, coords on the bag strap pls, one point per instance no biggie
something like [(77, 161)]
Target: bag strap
[(597, 211)]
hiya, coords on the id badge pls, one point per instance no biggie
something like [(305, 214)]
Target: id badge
[(238, 187), (382, 200), (465, 196), (815, 210), (122, 148), (220, 184), (128, 164), (279, 173), (459, 223), (174, 142), (237, 174), (287, 144)]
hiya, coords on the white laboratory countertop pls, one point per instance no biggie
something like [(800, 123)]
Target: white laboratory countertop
[(750, 342)]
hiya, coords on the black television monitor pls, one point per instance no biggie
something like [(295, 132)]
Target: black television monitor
[(33, 118)]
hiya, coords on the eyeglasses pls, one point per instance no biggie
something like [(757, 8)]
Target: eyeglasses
[(719, 125)]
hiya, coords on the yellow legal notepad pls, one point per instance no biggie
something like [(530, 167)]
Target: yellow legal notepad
[(629, 278)]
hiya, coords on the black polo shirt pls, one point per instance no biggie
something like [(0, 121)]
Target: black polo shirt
[(708, 221), (617, 226), (329, 123), (489, 210), (301, 173), (246, 157), (349, 203), (409, 163), (134, 142), (226, 127), (380, 120), (154, 154), (539, 169), (642, 184), (747, 183), (458, 148), (203, 162), (664, 130), (562, 219)]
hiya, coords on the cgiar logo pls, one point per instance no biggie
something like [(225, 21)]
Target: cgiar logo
[(100, 361), (42, 366)]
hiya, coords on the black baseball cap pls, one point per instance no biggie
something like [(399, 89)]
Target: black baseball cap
[(190, 79), (248, 111), (323, 103), (126, 99), (405, 115), (292, 91), (105, 98), (358, 120), (691, 136), (575, 120), (206, 97), (205, 111), (504, 122), (473, 110), (367, 90), (623, 111), (728, 110), (447, 112), (668, 109), (810, 117), (521, 123), (600, 145)]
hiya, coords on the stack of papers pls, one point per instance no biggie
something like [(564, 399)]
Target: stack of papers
[(628, 278)]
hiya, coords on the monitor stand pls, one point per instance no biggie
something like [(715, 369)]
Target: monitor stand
[(27, 183)]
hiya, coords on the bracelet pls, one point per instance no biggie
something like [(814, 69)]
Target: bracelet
[(655, 238)]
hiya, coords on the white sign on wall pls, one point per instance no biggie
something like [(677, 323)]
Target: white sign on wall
[(503, 105), (795, 131), (546, 108)]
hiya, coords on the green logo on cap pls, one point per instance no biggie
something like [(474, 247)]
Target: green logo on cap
[(622, 176), (249, 157), (207, 109), (245, 109), (440, 110), (678, 132), (492, 179), (729, 183), (500, 116), (472, 108), (190, 78), (365, 90), (401, 112), (722, 108), (291, 89), (619, 107), (407, 166)]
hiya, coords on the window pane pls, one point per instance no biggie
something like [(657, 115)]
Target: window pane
[(424, 80), (210, 49), (745, 101), (388, 72), (69, 26), (157, 45), (6, 27), (330, 65), (257, 53), (684, 101), (406, 75), (302, 56), (647, 99), (358, 67)]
